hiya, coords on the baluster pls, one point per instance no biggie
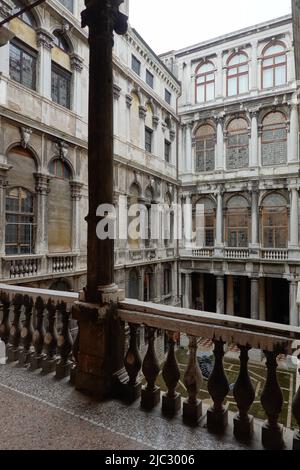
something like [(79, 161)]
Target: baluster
[(15, 331), (26, 332), (272, 401), (150, 396), (64, 344), (75, 355), (217, 415), (38, 335), (133, 364), (244, 396), (50, 340), (171, 401), (5, 324), (296, 413), (192, 407)]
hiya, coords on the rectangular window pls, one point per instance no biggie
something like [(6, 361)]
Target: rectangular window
[(168, 96), (167, 151), (149, 79), (22, 65), (148, 139), (61, 86), (135, 65), (68, 4)]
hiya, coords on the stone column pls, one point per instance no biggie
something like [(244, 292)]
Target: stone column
[(220, 295), (294, 218), (141, 277), (42, 190), (262, 299), (180, 149), (77, 66), (254, 216), (294, 135), (188, 147), (294, 313), (219, 218), (3, 185), (255, 298), (254, 139), (76, 196), (219, 76), (188, 221), (45, 43), (220, 161), (188, 291), (230, 296), (254, 67)]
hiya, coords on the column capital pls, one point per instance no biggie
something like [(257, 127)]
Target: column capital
[(76, 62), (104, 18), (44, 39), (42, 183), (254, 112), (116, 91), (76, 188), (129, 100), (142, 112)]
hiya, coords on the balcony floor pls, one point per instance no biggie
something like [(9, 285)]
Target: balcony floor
[(43, 413)]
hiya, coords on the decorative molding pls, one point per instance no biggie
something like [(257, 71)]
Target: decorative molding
[(129, 100), (26, 133), (142, 112), (155, 121), (116, 91), (76, 188), (62, 149), (172, 135), (42, 183)]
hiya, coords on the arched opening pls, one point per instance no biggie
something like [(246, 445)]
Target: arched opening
[(274, 221), (274, 65), (205, 148), (237, 144), (237, 222), (205, 82), (237, 74), (274, 139), (133, 284)]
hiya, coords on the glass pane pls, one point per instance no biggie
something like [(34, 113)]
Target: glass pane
[(15, 63), (280, 59), (210, 92), (274, 49), (280, 75), (268, 78), (210, 77), (268, 62), (243, 84), (11, 233), (232, 86), (200, 94), (68, 4), (243, 68), (233, 71), (206, 68)]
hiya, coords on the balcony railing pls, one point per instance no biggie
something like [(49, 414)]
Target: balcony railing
[(36, 327), (237, 253), (30, 266), (275, 255), (241, 253)]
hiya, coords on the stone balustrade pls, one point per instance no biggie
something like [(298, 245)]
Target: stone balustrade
[(237, 253), (275, 255), (61, 263), (36, 327)]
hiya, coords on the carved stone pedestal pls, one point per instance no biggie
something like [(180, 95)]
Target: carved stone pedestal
[(132, 393), (48, 365), (62, 370), (170, 406), (100, 369), (150, 399), (272, 438), (217, 420), (73, 371), (36, 362), (12, 354), (296, 441), (243, 429), (24, 358), (192, 413)]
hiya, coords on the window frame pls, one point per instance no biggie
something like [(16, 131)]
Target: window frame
[(237, 228), (236, 132), (135, 60), (62, 73), (274, 212), (66, 171), (205, 83), (18, 223), (273, 127), (63, 4), (24, 49), (274, 66), (238, 74), (204, 138), (148, 132), (168, 96), (150, 76)]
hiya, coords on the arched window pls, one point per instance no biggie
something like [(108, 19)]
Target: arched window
[(60, 41), (205, 148), (149, 291), (205, 82), (274, 139), (27, 16), (274, 66), (19, 232), (237, 74), (275, 221), (60, 169), (237, 144), (237, 222), (209, 221)]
